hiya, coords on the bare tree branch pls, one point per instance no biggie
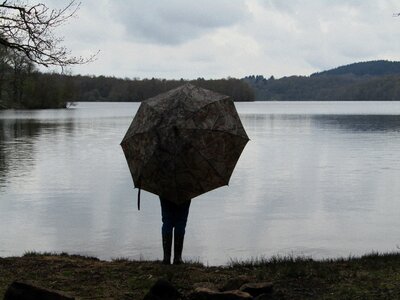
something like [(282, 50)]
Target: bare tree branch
[(29, 29)]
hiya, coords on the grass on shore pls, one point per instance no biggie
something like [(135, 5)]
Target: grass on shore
[(373, 276)]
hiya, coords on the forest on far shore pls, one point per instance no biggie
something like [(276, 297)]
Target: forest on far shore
[(373, 80), (23, 86), (102, 88)]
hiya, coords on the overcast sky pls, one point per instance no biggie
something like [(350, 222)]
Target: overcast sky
[(220, 38)]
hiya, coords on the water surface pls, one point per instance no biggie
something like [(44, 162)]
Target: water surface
[(317, 178)]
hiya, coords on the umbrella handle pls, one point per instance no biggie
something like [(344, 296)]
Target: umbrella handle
[(138, 199)]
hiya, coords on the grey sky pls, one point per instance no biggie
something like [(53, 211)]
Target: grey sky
[(220, 38)]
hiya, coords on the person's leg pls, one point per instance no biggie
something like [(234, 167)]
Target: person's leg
[(182, 212), (167, 214)]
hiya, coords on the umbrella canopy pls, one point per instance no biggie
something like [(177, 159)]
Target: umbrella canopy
[(184, 143)]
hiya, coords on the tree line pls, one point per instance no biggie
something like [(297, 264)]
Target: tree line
[(326, 88), (23, 86), (102, 88), (375, 80)]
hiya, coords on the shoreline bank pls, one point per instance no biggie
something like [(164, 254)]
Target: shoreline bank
[(372, 276)]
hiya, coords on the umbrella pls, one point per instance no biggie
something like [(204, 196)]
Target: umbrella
[(184, 143)]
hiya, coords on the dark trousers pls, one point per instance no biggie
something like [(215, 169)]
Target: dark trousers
[(174, 216)]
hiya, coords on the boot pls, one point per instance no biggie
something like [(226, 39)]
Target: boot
[(178, 247), (167, 244)]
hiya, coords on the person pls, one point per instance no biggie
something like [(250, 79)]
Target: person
[(174, 219)]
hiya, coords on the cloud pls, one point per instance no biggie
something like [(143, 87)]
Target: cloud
[(175, 21), (316, 35), (220, 38)]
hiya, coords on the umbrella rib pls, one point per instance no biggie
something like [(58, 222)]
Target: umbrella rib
[(198, 182), (145, 162), (212, 167), (134, 133), (218, 130), (213, 102), (145, 103), (199, 152)]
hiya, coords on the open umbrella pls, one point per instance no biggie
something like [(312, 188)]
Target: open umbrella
[(184, 143)]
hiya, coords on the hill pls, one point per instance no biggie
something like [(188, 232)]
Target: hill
[(371, 68), (374, 80)]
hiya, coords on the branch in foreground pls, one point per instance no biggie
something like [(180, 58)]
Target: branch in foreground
[(29, 29)]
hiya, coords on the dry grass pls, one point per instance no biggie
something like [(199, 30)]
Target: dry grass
[(374, 276)]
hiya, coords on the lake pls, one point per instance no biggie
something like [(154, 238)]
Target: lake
[(317, 179)]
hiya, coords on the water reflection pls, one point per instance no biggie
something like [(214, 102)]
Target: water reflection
[(368, 123), (19, 139), (341, 122)]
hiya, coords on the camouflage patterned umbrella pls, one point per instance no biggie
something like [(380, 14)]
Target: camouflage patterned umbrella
[(184, 143)]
